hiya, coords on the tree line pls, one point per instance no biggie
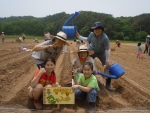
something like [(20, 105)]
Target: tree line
[(122, 28)]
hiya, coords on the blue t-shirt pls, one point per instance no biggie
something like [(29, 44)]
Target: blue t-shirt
[(98, 44)]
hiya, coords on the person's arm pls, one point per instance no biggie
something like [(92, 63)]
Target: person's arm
[(40, 48), (81, 37), (85, 89), (36, 79), (107, 55)]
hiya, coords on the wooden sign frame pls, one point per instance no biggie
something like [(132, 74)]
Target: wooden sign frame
[(58, 95)]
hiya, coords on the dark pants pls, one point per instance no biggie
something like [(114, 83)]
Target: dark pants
[(40, 65), (146, 49), (102, 58)]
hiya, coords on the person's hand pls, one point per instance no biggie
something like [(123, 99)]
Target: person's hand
[(42, 70), (75, 86), (107, 64), (77, 34)]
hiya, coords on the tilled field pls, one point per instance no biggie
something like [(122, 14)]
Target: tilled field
[(131, 91)]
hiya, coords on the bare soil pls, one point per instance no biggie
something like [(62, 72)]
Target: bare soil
[(131, 91)]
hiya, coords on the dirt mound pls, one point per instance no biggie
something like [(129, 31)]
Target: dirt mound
[(131, 91)]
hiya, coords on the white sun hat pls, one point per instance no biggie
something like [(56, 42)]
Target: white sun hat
[(62, 36), (84, 48)]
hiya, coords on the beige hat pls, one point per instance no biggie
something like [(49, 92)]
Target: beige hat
[(2, 32), (148, 36), (62, 36), (84, 48)]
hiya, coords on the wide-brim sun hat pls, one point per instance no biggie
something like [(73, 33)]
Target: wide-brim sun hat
[(148, 36), (2, 32), (62, 36), (83, 48), (96, 25)]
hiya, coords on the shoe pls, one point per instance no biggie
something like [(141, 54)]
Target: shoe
[(109, 88), (38, 105), (92, 107)]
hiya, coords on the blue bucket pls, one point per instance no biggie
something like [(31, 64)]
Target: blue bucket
[(116, 69), (70, 31)]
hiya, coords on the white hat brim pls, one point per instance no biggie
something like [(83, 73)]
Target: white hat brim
[(67, 43), (89, 51)]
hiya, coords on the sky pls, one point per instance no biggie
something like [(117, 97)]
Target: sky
[(43, 8)]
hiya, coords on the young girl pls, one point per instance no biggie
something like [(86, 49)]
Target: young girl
[(87, 85), (45, 77), (139, 51)]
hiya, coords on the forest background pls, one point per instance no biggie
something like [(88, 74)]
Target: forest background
[(120, 28)]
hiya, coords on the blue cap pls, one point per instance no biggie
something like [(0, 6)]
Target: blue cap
[(96, 25)]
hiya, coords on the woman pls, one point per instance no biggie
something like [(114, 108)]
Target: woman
[(99, 43), (48, 48)]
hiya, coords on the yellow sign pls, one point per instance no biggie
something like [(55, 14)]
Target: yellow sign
[(58, 95)]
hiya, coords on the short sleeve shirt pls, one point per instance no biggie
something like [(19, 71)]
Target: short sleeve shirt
[(46, 79), (91, 81), (3, 35), (98, 44), (40, 56)]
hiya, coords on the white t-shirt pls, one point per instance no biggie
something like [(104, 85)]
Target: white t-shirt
[(40, 56)]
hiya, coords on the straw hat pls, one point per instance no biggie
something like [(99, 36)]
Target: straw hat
[(84, 48), (148, 36), (62, 36)]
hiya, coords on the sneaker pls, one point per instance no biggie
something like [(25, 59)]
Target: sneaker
[(92, 107), (38, 105), (109, 88)]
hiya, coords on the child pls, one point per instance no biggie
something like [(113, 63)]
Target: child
[(83, 56), (87, 85), (139, 51), (118, 43), (45, 77)]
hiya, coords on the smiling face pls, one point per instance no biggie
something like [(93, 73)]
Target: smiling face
[(83, 54), (59, 42), (49, 66), (87, 70), (97, 31)]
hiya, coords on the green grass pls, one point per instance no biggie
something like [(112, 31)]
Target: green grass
[(27, 37), (42, 37)]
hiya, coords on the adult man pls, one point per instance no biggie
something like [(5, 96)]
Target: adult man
[(99, 43), (51, 48)]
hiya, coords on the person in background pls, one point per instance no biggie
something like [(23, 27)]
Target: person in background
[(53, 48), (47, 36), (3, 37), (45, 77), (99, 43), (118, 43), (87, 85), (139, 51), (148, 44), (146, 49), (23, 37)]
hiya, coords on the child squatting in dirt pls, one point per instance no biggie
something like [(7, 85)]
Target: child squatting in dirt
[(87, 85), (45, 77)]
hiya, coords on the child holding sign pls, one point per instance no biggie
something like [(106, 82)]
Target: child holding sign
[(45, 77), (87, 85)]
